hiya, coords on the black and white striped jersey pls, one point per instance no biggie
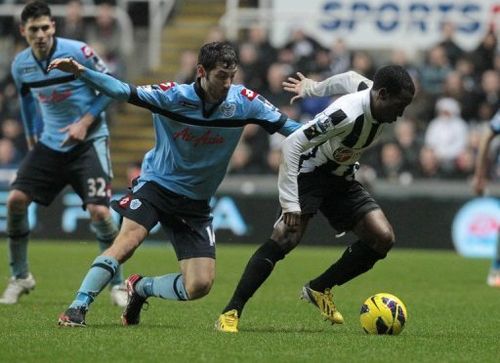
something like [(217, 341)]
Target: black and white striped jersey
[(333, 141)]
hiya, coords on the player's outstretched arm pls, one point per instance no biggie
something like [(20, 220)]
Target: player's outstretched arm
[(102, 82), (338, 84)]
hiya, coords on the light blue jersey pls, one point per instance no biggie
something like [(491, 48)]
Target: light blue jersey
[(194, 140), (57, 99)]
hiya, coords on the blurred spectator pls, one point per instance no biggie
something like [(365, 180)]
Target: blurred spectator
[(454, 88), (489, 92), (340, 57), (273, 91), (251, 152), (362, 63), (421, 109), (428, 164), (452, 50), (434, 71), (447, 133), (257, 35), (73, 25), (12, 130), (400, 57), (409, 141), (465, 67), (483, 56), (392, 163), (254, 72), (104, 36), (9, 158), (304, 48), (187, 67)]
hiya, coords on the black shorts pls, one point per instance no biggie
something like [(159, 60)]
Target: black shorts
[(343, 202), (87, 168), (187, 222)]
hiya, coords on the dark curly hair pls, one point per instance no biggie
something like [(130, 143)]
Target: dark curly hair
[(215, 53), (394, 79), (35, 9)]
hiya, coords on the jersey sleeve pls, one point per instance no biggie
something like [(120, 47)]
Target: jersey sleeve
[(495, 123), (315, 132), (338, 84), (153, 97), (262, 112), (86, 56), (30, 115)]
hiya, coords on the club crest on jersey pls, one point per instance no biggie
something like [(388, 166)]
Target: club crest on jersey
[(228, 109), (343, 154), (87, 51), (135, 203), (249, 93)]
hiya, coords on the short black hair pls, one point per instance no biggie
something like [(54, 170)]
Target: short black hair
[(35, 9), (215, 53), (394, 79)]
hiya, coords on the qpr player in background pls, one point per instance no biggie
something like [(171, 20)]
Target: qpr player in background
[(479, 185), (72, 148), (197, 128), (317, 174)]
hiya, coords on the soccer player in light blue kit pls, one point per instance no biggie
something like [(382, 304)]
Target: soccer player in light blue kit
[(197, 128), (72, 149), (479, 185)]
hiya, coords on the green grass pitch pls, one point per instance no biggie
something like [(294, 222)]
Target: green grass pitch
[(453, 315)]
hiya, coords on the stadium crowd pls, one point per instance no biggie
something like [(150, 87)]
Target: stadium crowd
[(458, 91)]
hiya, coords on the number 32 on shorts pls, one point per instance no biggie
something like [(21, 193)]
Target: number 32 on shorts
[(96, 187)]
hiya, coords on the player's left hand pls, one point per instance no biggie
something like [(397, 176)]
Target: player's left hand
[(76, 132), (68, 65)]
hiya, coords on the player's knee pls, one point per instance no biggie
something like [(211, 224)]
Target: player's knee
[(385, 239), (18, 201), (285, 239), (98, 212), (198, 288)]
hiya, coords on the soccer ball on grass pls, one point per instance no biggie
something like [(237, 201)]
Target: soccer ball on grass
[(383, 313)]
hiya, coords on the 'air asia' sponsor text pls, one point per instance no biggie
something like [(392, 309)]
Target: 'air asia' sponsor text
[(206, 138)]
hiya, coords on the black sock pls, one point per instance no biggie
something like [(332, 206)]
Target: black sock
[(258, 269), (357, 259)]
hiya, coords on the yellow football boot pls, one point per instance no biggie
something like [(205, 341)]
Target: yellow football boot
[(228, 322), (324, 302)]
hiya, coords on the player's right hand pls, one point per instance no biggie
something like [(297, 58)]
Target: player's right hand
[(68, 65)]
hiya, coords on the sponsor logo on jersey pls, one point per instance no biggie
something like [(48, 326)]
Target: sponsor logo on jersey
[(54, 97), (135, 203), (124, 202), (165, 86), (344, 154), (87, 51), (249, 93), (26, 70), (312, 131), (207, 138), (324, 124), (228, 109)]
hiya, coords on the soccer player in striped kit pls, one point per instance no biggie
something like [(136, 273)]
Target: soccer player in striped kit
[(317, 173)]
